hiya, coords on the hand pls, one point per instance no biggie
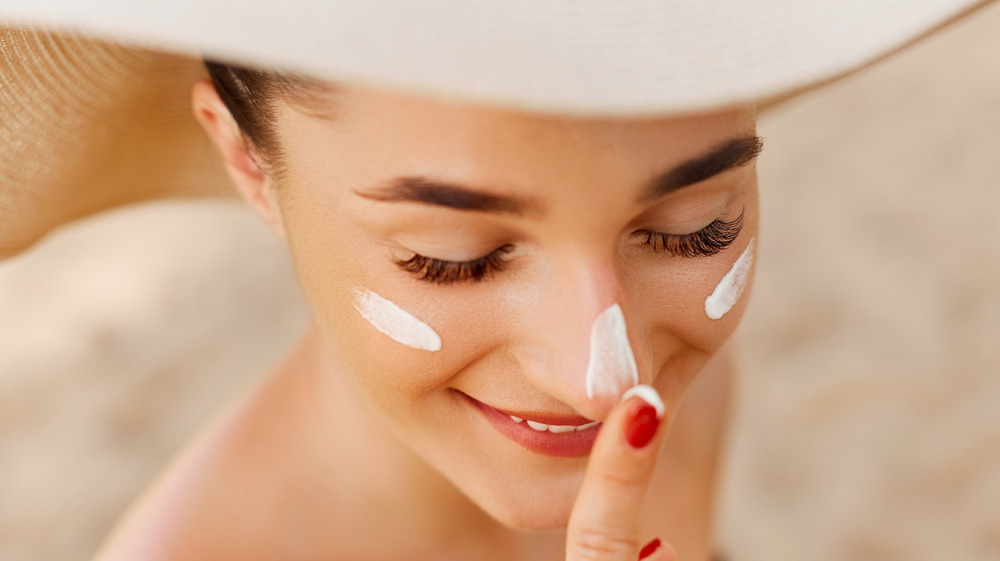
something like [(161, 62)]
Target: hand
[(605, 522)]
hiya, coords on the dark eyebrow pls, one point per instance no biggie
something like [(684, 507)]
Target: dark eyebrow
[(414, 189), (724, 156), (426, 191)]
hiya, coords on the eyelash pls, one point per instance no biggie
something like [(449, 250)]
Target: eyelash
[(447, 272), (706, 242)]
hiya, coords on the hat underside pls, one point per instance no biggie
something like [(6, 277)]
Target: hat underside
[(626, 57)]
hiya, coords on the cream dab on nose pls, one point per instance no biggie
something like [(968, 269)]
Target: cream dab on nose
[(730, 288), (395, 322), (612, 366)]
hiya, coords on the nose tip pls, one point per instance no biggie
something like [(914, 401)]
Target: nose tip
[(611, 369)]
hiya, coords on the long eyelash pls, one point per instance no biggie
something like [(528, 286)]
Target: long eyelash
[(446, 272), (706, 242)]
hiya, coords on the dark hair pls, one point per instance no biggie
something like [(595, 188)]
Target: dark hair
[(252, 96)]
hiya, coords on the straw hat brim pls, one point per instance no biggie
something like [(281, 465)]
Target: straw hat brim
[(95, 95)]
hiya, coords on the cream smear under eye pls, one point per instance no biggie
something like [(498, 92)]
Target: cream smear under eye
[(395, 322), (612, 366), (730, 288)]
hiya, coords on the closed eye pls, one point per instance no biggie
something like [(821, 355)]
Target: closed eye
[(446, 272), (708, 241)]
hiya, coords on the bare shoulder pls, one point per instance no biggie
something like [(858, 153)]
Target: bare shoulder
[(221, 497)]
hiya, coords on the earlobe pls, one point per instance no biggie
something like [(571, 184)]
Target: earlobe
[(249, 177)]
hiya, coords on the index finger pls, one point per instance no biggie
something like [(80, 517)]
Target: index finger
[(605, 523)]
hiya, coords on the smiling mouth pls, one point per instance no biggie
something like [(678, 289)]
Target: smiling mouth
[(551, 435)]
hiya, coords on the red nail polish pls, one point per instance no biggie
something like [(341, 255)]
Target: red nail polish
[(641, 425), (649, 549)]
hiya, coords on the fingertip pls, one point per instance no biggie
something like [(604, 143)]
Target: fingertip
[(649, 395)]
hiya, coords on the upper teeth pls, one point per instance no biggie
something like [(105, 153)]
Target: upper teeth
[(541, 427)]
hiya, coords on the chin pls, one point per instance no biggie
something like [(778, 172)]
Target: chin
[(533, 518), (535, 508)]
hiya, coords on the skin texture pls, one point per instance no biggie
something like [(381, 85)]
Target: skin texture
[(357, 428)]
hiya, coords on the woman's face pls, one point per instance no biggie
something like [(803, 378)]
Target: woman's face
[(510, 238)]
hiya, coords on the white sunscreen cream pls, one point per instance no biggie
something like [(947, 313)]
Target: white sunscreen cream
[(612, 365), (395, 322), (731, 286), (649, 395)]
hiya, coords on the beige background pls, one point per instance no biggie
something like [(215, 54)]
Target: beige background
[(867, 427)]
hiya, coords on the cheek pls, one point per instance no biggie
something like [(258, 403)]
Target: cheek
[(389, 341), (680, 302), (681, 336), (380, 342), (385, 348)]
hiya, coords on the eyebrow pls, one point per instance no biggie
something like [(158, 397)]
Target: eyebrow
[(430, 192), (724, 156), (415, 189)]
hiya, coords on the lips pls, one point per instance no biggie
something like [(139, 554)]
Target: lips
[(551, 435)]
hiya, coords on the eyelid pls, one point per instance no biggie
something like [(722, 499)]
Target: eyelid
[(448, 238), (446, 250), (688, 211)]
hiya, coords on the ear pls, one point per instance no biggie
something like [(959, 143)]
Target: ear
[(250, 179)]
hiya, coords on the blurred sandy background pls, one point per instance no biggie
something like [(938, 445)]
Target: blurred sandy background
[(868, 427)]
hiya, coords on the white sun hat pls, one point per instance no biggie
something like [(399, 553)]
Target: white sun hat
[(94, 94), (583, 56)]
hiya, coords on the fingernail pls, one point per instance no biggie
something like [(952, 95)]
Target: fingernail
[(640, 427), (649, 549)]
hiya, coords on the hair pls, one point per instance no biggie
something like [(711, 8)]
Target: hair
[(253, 97)]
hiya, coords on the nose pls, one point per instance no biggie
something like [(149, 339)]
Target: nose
[(578, 348)]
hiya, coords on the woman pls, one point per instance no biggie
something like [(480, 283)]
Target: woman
[(488, 287), (449, 292)]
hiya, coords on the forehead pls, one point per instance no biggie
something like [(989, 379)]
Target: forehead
[(373, 107), (374, 129)]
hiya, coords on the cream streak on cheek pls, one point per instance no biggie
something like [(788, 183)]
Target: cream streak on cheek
[(612, 367), (395, 322), (731, 286)]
